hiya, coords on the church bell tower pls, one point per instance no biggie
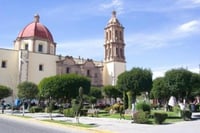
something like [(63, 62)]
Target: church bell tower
[(114, 57)]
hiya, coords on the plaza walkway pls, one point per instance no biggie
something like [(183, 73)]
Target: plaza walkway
[(124, 126)]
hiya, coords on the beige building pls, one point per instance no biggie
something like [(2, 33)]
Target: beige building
[(34, 57)]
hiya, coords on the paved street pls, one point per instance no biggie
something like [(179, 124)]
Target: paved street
[(22, 125), (121, 126)]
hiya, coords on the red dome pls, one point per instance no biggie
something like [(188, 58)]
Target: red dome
[(36, 29)]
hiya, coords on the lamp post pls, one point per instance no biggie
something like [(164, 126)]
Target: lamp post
[(23, 108), (199, 68), (50, 107), (12, 91)]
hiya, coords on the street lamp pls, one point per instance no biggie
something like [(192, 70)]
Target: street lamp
[(199, 68)]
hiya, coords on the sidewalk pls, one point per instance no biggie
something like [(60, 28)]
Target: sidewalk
[(123, 126)]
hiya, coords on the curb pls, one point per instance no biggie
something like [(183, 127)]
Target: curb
[(53, 123)]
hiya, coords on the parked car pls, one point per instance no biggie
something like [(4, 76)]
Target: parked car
[(7, 106)]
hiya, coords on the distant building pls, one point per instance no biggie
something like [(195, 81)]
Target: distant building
[(34, 57)]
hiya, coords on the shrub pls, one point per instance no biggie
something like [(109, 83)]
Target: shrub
[(35, 109), (140, 117), (176, 109), (58, 111), (116, 107), (46, 110), (50, 107), (142, 106), (68, 112), (160, 117), (107, 109), (186, 115), (83, 112)]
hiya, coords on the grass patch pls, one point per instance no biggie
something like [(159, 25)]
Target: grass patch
[(21, 116), (115, 116), (71, 124), (172, 116)]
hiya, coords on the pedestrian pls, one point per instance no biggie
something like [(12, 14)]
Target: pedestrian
[(171, 103), (182, 107), (133, 109), (3, 106), (121, 110)]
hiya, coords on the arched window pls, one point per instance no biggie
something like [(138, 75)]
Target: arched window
[(88, 73), (110, 35), (106, 36), (26, 46), (95, 75), (122, 53), (67, 70), (109, 53), (117, 52), (120, 35), (40, 48), (116, 34), (41, 67), (3, 64)]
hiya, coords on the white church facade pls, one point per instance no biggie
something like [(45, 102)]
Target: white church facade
[(34, 57)]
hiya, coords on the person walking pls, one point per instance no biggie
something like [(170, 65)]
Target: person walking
[(3, 106)]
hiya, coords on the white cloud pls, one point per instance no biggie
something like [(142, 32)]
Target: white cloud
[(148, 41), (6, 46), (164, 37), (114, 5), (92, 48), (196, 1), (142, 42), (195, 70), (161, 6), (191, 26), (188, 3), (160, 72), (157, 74)]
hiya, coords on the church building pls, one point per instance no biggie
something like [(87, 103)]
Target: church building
[(34, 57)]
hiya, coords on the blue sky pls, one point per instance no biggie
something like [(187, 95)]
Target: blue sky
[(159, 34)]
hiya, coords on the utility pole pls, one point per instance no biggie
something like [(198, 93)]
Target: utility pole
[(199, 68)]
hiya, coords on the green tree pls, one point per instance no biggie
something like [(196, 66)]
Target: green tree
[(179, 82), (27, 90), (78, 104), (73, 83), (95, 93), (5, 92), (195, 81), (45, 87), (111, 92), (63, 86), (160, 89), (121, 85), (134, 82)]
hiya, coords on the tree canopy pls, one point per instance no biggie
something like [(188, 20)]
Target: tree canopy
[(179, 82), (63, 86), (134, 82), (27, 90), (195, 81), (111, 91), (160, 90), (95, 92), (183, 83), (137, 80), (4, 91)]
